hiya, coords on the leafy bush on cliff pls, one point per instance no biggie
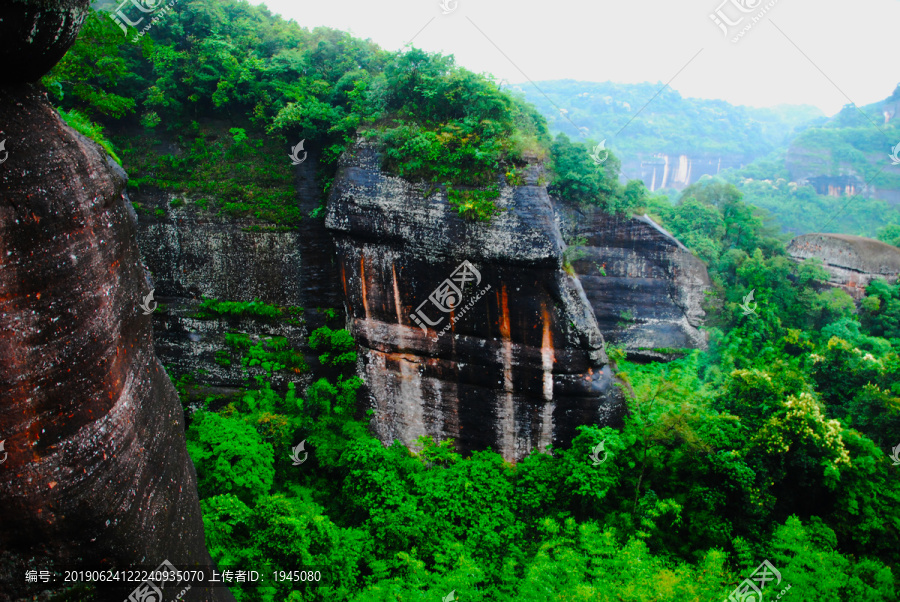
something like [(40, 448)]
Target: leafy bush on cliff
[(279, 84)]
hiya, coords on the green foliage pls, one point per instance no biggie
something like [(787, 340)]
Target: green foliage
[(476, 205), (578, 180), (88, 128), (881, 309), (230, 456), (214, 308), (337, 346), (246, 180), (85, 77)]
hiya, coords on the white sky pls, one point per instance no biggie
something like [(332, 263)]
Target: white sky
[(852, 44)]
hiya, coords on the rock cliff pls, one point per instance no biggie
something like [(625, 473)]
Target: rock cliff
[(852, 261), (94, 471), (476, 331), (644, 286), (194, 253)]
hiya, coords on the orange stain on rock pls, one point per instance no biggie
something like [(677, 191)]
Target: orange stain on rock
[(503, 302), (362, 280)]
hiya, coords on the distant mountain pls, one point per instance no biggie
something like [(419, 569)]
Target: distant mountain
[(834, 175), (661, 137)]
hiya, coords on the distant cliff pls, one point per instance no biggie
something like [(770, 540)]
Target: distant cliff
[(852, 261), (659, 171)]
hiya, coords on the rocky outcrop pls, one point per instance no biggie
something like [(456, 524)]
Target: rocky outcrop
[(97, 473), (192, 253), (35, 34), (852, 261), (645, 287), (475, 331)]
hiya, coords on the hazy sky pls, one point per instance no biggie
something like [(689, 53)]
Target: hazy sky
[(849, 47)]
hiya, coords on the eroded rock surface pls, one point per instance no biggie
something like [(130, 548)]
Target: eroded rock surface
[(524, 363), (194, 253), (97, 472), (35, 34), (852, 261), (644, 286)]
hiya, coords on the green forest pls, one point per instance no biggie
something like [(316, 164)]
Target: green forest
[(668, 122), (775, 444), (769, 141)]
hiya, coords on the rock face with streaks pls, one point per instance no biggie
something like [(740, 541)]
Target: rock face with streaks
[(852, 261), (97, 472), (644, 286)]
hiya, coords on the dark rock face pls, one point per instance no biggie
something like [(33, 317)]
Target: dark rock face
[(644, 286), (35, 34), (97, 472), (522, 365), (852, 261), (193, 253)]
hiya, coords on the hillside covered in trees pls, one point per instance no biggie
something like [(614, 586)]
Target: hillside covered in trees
[(773, 444), (782, 159)]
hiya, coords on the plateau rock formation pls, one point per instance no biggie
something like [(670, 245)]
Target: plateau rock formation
[(852, 261), (95, 473), (523, 365), (476, 331)]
